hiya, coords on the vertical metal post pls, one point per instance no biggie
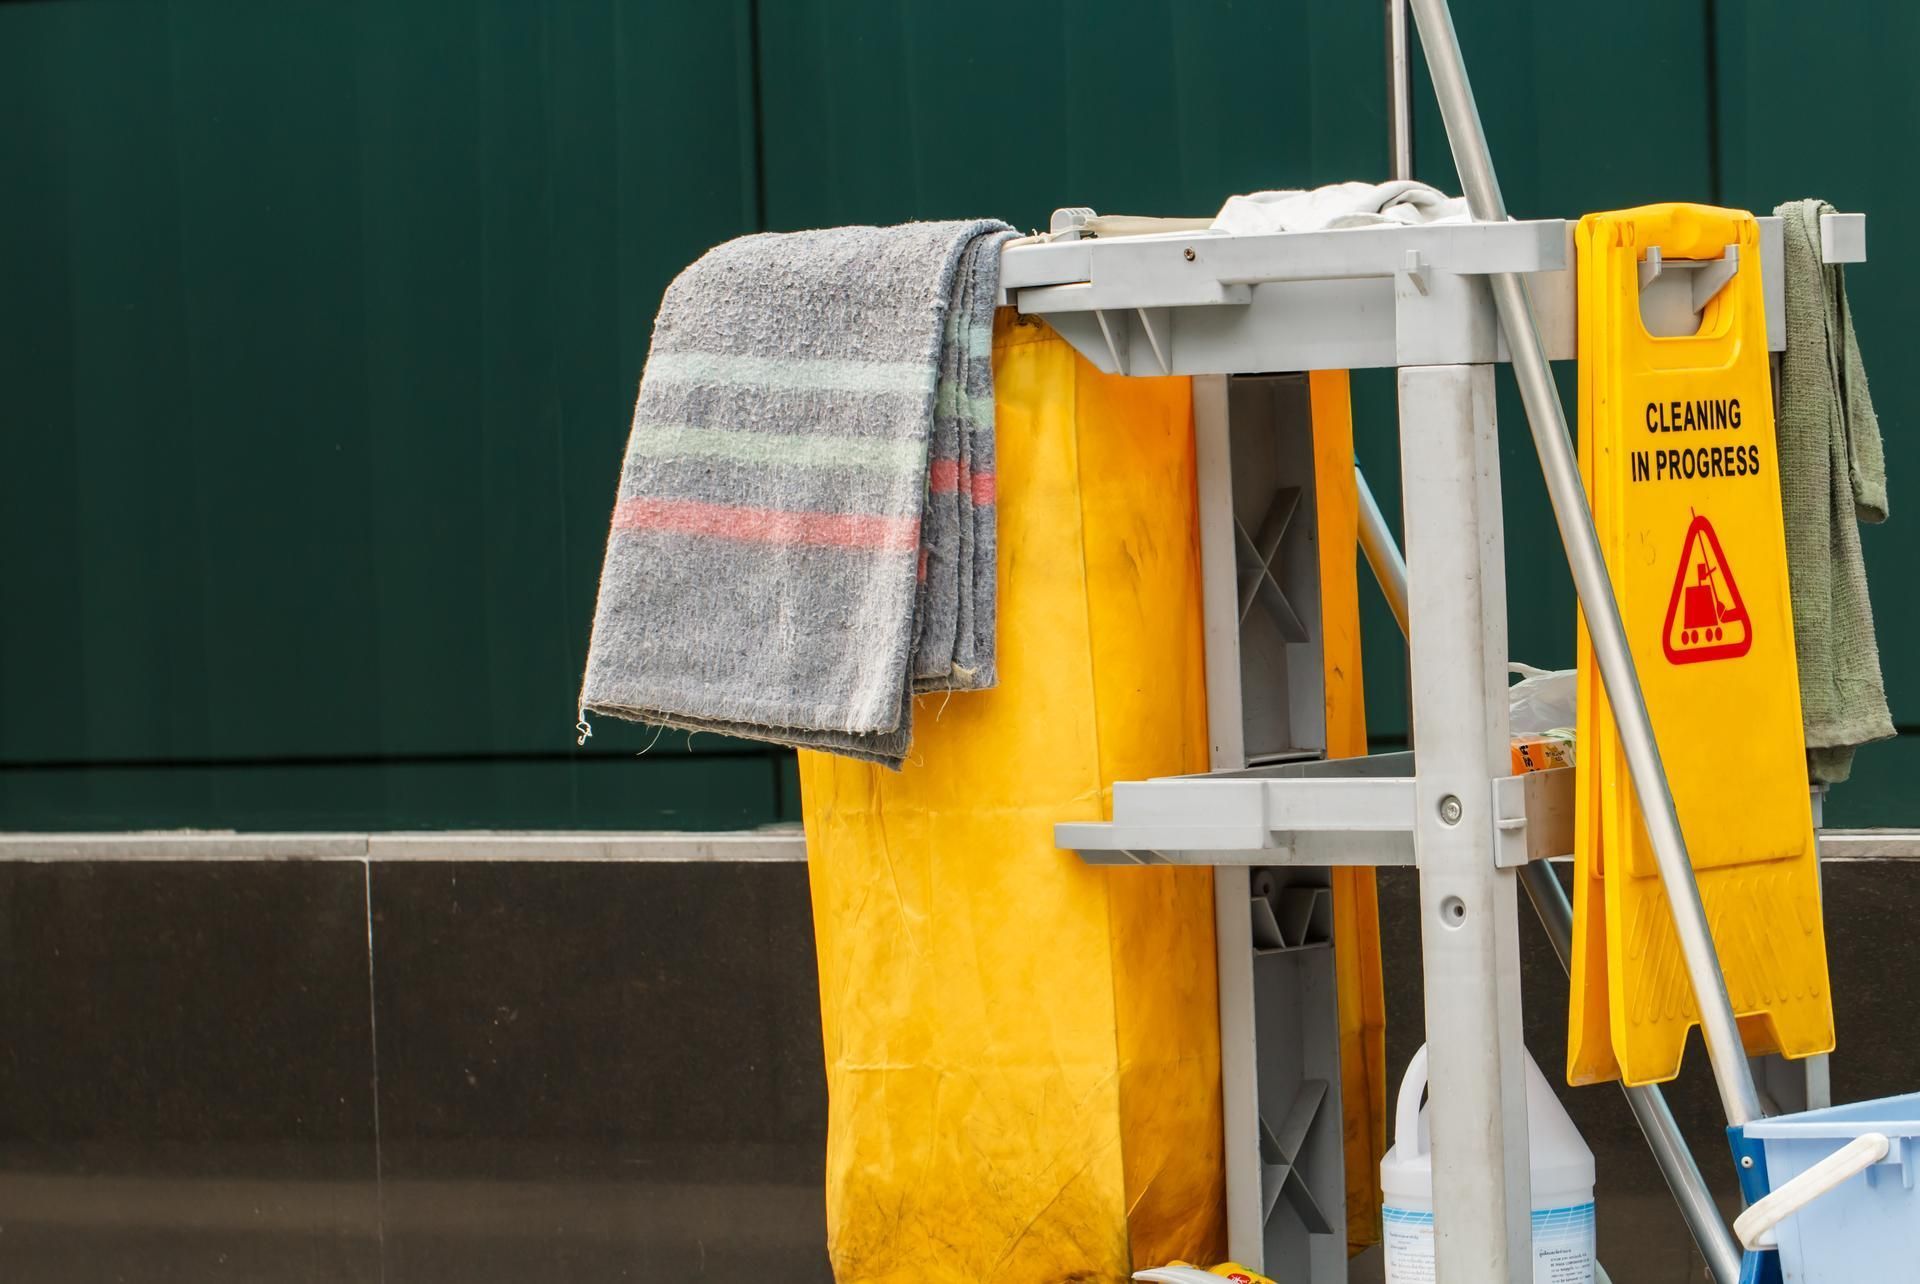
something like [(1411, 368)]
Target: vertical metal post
[(1399, 92), (1469, 931), (1550, 902), (1649, 1105), (1561, 470), (1232, 895)]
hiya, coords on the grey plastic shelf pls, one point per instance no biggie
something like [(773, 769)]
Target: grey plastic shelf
[(1335, 811)]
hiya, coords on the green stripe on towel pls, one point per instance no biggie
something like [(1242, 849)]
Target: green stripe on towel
[(786, 450), (804, 374)]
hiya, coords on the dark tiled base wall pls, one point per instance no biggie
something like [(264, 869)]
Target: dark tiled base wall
[(556, 1072), (559, 1072)]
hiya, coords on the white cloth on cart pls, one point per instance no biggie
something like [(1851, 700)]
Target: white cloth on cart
[(1340, 205)]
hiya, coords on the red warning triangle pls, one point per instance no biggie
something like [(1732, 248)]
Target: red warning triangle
[(1706, 618)]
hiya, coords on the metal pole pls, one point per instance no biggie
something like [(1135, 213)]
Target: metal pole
[(1399, 92), (1469, 907), (1227, 751), (1551, 441), (1383, 555), (1649, 1104)]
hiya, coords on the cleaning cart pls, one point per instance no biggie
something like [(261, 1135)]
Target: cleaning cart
[(1441, 304)]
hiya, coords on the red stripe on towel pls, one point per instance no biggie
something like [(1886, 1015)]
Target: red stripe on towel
[(769, 525), (944, 478)]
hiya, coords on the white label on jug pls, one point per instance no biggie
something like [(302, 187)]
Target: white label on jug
[(1562, 1245), (1407, 1238)]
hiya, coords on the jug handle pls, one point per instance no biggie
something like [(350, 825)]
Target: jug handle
[(1406, 1114)]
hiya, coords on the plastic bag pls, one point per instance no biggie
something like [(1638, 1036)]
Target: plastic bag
[(1541, 715), (1542, 702)]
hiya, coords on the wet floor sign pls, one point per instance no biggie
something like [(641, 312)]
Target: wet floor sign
[(1677, 450), (1706, 618)]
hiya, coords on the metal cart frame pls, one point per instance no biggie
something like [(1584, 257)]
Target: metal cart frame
[(1441, 304)]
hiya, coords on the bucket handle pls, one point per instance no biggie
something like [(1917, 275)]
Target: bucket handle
[(1755, 1226), (1406, 1111)]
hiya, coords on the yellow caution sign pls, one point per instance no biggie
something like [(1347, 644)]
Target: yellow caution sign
[(1677, 444), (1590, 1056), (1590, 1017)]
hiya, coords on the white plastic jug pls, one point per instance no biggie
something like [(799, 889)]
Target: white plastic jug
[(1562, 1186)]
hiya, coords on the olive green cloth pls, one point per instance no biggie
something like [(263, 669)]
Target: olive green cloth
[(1833, 476)]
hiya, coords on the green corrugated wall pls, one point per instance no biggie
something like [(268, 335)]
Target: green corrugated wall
[(320, 324)]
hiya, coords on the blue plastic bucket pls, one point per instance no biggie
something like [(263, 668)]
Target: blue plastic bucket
[(1867, 1228)]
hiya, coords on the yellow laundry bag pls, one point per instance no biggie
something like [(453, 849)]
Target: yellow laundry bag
[(1023, 1050), (1358, 978)]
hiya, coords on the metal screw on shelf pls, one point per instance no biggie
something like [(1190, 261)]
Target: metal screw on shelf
[(1450, 809), (1190, 255)]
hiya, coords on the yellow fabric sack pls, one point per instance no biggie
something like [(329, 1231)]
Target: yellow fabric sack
[(1023, 1050), (1356, 903)]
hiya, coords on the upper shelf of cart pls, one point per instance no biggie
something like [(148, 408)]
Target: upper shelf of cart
[(1080, 268), (1202, 266), (1187, 268)]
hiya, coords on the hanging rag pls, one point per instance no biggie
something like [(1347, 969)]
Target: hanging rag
[(1833, 476), (804, 530), (1339, 205)]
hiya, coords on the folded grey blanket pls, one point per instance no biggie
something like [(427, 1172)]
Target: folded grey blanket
[(804, 530), (1833, 476)]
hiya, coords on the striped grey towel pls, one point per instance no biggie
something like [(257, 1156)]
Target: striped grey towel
[(804, 531)]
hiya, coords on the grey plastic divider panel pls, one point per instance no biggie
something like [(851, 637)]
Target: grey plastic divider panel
[(1279, 1019), (1297, 1037), (1277, 559)]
